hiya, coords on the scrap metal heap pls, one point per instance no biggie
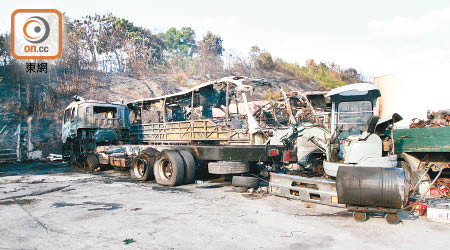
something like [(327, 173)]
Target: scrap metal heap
[(219, 112)]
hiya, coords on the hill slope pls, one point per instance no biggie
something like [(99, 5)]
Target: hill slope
[(46, 124)]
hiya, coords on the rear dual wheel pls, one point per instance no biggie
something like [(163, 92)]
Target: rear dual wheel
[(189, 166), (174, 168)]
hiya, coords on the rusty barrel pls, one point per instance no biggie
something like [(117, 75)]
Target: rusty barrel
[(372, 186)]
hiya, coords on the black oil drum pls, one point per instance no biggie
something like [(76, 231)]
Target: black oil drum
[(372, 186)]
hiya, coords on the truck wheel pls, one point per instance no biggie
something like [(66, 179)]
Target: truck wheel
[(189, 166), (169, 169), (92, 162), (360, 216), (228, 167), (141, 169), (245, 181), (392, 219), (239, 189)]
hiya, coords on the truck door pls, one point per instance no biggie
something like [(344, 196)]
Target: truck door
[(73, 121), (66, 128)]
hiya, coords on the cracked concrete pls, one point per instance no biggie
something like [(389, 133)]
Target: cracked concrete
[(53, 207)]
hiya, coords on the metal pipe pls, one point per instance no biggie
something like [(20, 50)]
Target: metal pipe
[(18, 153), (142, 111), (420, 179), (432, 183), (392, 135), (227, 101), (164, 110), (192, 105)]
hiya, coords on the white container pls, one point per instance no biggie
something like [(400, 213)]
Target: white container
[(441, 213)]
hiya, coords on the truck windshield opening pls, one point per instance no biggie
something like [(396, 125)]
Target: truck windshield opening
[(105, 112)]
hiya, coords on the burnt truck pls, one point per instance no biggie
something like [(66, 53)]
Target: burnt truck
[(169, 137), (88, 124), (299, 138)]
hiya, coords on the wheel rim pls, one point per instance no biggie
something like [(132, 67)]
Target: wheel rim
[(392, 218), (165, 169), (139, 168), (360, 216)]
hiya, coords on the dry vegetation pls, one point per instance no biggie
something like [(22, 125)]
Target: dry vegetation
[(109, 58)]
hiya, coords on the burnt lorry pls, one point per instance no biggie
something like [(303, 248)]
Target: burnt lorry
[(212, 125), (88, 124)]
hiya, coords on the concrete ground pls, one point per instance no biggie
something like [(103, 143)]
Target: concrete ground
[(45, 206)]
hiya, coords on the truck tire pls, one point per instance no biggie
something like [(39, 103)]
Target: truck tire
[(92, 162), (189, 166), (169, 169), (245, 181), (393, 219), (239, 189), (228, 167), (141, 168)]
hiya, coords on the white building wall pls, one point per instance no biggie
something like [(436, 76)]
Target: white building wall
[(413, 92)]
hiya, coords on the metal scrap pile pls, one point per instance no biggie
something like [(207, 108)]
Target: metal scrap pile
[(439, 118), (441, 188), (294, 108)]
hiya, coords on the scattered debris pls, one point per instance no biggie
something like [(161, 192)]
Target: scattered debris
[(128, 241), (35, 155), (54, 157), (440, 118)]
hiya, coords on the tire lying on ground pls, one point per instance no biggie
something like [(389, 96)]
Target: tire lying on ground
[(239, 189), (245, 181), (141, 168), (169, 169), (228, 167), (189, 166), (92, 162)]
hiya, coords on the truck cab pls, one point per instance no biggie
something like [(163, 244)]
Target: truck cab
[(89, 123)]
